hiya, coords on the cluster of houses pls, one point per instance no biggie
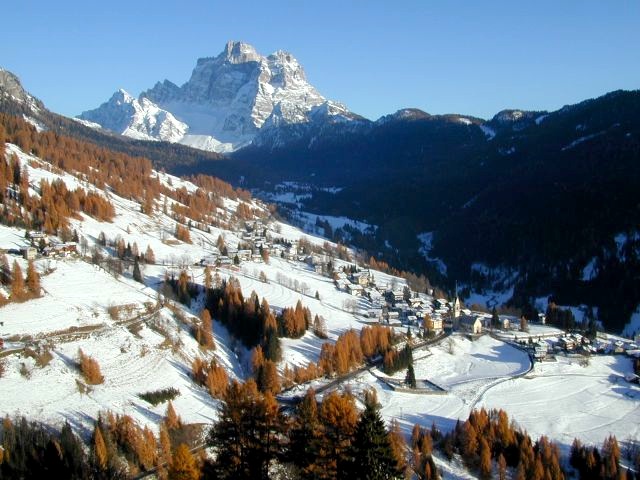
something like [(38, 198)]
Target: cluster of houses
[(576, 343), (393, 306), (42, 244), (255, 245)]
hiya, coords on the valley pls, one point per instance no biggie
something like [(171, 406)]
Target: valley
[(240, 278)]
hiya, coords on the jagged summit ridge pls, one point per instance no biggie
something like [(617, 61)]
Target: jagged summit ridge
[(228, 99)]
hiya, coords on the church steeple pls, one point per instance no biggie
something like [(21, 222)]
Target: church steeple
[(456, 304)]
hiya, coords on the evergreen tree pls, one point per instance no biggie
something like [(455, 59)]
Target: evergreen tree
[(371, 454), (410, 379), (306, 435), (246, 436), (495, 319), (137, 274)]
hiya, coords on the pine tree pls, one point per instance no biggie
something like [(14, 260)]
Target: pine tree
[(371, 455), (495, 319), (183, 466), (137, 274), (410, 379)]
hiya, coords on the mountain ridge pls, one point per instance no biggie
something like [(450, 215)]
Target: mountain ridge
[(228, 99)]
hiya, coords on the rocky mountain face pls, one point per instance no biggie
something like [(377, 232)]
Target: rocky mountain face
[(11, 89), (227, 101)]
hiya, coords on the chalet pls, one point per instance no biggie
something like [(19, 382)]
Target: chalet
[(438, 325), (393, 318), (257, 258), (412, 320), (209, 261), (337, 275), (398, 295), (277, 250), (416, 302), (318, 268), (29, 253), (290, 253), (37, 237), (567, 343), (508, 321), (441, 303), (374, 313), (354, 289), (618, 347), (362, 278), (471, 324), (61, 249), (244, 255), (224, 260), (540, 350)]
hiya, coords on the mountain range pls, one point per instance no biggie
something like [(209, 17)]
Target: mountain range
[(534, 204), (226, 102)]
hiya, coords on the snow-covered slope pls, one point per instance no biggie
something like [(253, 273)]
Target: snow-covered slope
[(227, 100)]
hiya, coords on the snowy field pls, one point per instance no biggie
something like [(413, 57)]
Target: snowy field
[(563, 399)]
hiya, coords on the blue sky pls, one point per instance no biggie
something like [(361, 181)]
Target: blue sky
[(376, 56)]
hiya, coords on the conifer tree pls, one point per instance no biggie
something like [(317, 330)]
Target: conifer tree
[(171, 418), (137, 274), (99, 449), (410, 379), (183, 465), (306, 433), (17, 283), (485, 459), (149, 256), (33, 279), (246, 436), (502, 467), (371, 455)]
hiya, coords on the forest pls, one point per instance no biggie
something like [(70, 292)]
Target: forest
[(339, 436)]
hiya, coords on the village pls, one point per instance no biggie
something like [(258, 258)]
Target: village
[(375, 300)]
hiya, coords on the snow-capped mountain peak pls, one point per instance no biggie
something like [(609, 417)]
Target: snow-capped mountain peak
[(226, 102), (140, 119)]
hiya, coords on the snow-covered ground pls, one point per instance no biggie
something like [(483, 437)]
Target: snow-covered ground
[(562, 399), (148, 348)]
